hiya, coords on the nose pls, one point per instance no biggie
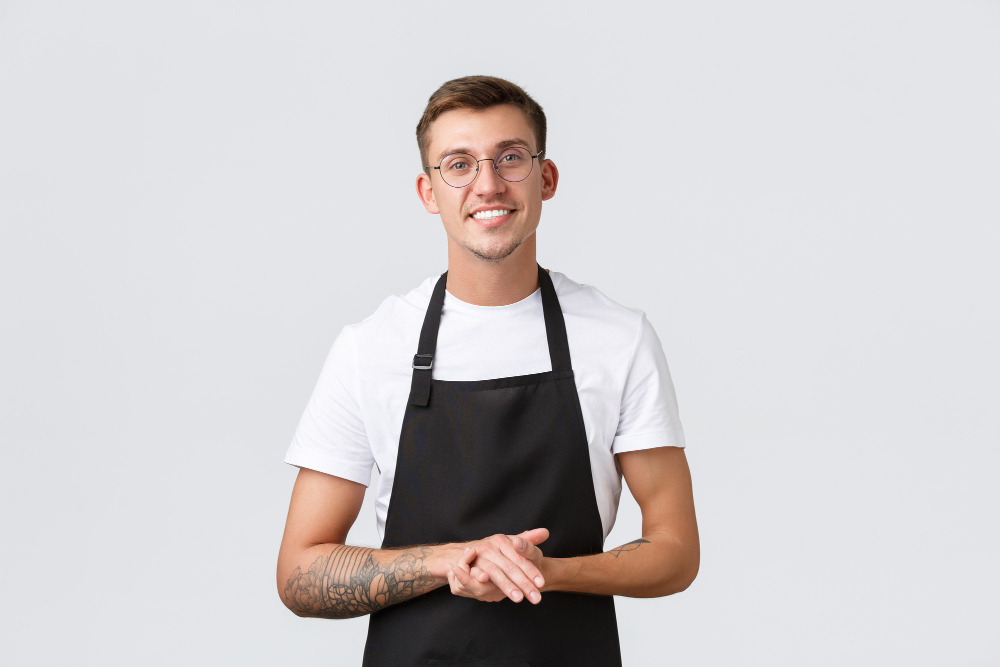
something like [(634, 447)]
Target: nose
[(488, 181)]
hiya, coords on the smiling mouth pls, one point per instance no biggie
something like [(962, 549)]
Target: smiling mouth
[(492, 213)]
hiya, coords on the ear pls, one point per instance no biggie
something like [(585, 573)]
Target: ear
[(550, 179), (426, 193)]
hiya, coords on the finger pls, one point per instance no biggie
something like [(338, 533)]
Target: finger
[(499, 578), (532, 553), (522, 572), (463, 578), (498, 552), (523, 541), (486, 592), (535, 535), (479, 575), (467, 557), (456, 585), (526, 548), (533, 558), (467, 586), (524, 555)]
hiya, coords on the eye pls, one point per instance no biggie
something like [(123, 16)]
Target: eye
[(510, 157), (458, 163)]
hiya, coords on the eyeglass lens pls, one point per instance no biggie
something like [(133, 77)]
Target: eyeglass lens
[(513, 164)]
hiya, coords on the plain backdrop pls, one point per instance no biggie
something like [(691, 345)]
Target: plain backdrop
[(195, 197)]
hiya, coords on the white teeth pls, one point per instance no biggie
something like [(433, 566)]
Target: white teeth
[(490, 214)]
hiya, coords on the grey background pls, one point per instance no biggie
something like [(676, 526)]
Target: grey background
[(196, 196)]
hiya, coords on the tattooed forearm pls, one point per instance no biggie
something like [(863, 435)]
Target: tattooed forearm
[(349, 582), (631, 546)]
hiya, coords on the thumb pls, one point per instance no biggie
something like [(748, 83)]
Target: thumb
[(536, 535)]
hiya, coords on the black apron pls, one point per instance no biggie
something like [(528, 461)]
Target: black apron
[(495, 456)]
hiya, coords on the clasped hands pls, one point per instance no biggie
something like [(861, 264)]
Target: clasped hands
[(501, 566)]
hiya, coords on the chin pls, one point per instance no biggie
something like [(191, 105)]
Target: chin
[(494, 253)]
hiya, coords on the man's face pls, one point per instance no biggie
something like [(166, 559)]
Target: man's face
[(483, 134)]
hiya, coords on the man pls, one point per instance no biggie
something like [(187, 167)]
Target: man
[(501, 403)]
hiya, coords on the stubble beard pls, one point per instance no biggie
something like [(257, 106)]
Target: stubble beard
[(494, 252)]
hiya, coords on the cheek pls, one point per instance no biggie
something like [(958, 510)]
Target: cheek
[(445, 198), (451, 211)]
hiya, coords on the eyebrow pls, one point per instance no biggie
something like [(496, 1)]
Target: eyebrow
[(506, 143)]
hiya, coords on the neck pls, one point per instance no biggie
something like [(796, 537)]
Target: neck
[(483, 283)]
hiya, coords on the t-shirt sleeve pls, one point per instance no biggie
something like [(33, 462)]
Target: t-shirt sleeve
[(331, 434), (648, 416)]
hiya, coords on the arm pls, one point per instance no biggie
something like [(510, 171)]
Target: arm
[(319, 575), (665, 559)]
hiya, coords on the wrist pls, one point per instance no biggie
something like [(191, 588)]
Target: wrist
[(558, 573), (441, 560)]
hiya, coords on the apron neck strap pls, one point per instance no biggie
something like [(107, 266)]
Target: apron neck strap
[(423, 360), (555, 325)]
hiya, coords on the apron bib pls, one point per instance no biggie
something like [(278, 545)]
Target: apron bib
[(495, 456)]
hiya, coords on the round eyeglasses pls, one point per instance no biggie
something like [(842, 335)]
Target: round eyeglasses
[(461, 169)]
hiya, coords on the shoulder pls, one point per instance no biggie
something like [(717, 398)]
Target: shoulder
[(395, 325), (590, 306), (397, 306), (603, 334)]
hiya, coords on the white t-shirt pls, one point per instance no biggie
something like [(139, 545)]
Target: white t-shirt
[(355, 414)]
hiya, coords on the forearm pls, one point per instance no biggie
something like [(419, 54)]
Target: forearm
[(343, 581), (655, 565)]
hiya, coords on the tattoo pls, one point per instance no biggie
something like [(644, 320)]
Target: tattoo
[(631, 546), (348, 582)]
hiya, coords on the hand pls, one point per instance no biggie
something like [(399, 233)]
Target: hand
[(505, 566), (462, 582)]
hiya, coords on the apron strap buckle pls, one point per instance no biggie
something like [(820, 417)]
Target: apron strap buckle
[(420, 385)]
